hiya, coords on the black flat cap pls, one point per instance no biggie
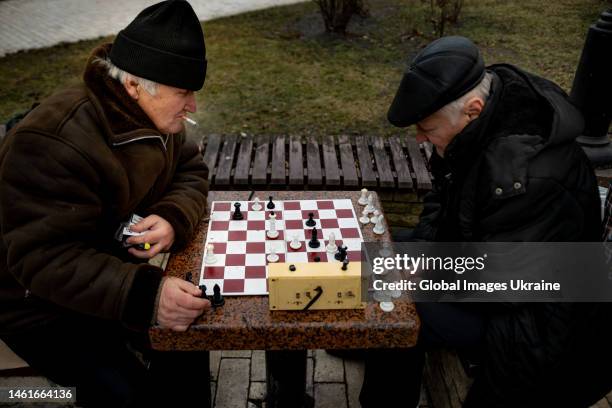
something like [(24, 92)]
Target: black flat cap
[(445, 70)]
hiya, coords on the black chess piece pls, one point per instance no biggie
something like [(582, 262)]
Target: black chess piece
[(345, 264), (310, 222), (188, 276), (237, 214), (203, 289), (270, 205), (314, 242), (217, 299), (341, 254), (292, 268), (317, 258)]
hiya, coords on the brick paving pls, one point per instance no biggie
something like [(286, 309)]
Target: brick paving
[(29, 24)]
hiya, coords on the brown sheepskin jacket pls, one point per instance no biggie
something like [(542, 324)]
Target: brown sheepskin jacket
[(72, 170)]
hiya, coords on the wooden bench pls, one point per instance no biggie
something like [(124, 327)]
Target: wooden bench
[(243, 162)]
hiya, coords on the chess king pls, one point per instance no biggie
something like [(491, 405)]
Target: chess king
[(70, 172), (506, 168)]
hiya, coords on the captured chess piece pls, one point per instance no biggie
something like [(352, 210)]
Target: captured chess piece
[(341, 254), (379, 228), (364, 219), (331, 244), (217, 299), (310, 222), (345, 264), (256, 205), (272, 233), (237, 216), (363, 200), (270, 205), (203, 289), (314, 241), (292, 268), (387, 306), (374, 218), (210, 257), (370, 206)]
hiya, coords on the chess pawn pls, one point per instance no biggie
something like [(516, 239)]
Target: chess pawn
[(256, 205), (364, 219), (331, 245), (272, 232), (374, 218), (363, 200), (370, 206), (379, 228), (295, 243), (272, 256), (210, 255)]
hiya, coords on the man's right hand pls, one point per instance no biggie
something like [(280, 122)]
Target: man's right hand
[(179, 304)]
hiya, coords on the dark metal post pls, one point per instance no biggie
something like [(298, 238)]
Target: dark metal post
[(592, 90)]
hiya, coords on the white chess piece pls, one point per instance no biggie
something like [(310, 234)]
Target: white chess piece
[(364, 219), (331, 245), (385, 251), (256, 205), (272, 256), (210, 257), (370, 207), (386, 306), (379, 228), (374, 218), (272, 232), (363, 200), (295, 243)]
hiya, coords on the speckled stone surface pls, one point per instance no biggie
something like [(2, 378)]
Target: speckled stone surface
[(246, 323)]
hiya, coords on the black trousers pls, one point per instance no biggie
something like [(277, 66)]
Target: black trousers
[(392, 377), (97, 357)]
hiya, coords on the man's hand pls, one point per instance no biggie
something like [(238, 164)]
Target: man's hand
[(179, 304), (157, 232)]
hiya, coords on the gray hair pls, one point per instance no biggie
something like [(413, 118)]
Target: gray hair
[(453, 109), (122, 76)]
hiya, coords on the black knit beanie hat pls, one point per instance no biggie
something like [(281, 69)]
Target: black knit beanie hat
[(165, 44)]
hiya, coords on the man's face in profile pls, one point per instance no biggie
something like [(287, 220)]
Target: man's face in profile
[(167, 107), (439, 130)]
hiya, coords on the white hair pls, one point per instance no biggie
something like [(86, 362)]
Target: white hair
[(453, 109), (123, 76)]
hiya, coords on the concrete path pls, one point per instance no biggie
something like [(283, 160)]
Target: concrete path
[(28, 24)]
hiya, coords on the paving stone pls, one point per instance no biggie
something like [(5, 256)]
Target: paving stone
[(215, 360), (258, 365), (257, 391), (330, 396), (233, 383), (354, 379), (327, 368), (310, 377), (236, 354)]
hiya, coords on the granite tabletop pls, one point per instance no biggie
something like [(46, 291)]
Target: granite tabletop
[(246, 323)]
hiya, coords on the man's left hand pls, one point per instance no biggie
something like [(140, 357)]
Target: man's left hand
[(157, 232)]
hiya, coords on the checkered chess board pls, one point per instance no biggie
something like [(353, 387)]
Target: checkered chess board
[(241, 246)]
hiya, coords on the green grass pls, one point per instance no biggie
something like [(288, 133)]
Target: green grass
[(273, 71)]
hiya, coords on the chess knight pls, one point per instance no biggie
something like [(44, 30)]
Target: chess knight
[(71, 172), (506, 168)]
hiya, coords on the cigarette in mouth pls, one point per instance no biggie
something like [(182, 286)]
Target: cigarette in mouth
[(190, 121)]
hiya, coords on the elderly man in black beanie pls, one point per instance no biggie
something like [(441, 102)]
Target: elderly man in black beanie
[(71, 172), (506, 168)]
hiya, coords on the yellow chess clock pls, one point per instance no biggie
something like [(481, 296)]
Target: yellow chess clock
[(314, 286)]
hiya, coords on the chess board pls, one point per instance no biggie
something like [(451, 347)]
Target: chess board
[(241, 246)]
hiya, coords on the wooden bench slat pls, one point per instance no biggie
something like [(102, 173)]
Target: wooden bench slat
[(260, 164), (277, 176), (243, 163), (213, 144), (348, 162), (296, 161), (224, 169), (330, 160), (404, 180), (314, 163), (383, 166), (418, 164), (368, 177)]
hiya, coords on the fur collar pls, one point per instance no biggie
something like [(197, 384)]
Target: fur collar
[(122, 113)]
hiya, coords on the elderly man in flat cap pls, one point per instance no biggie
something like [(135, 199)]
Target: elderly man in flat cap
[(71, 172), (506, 168)]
